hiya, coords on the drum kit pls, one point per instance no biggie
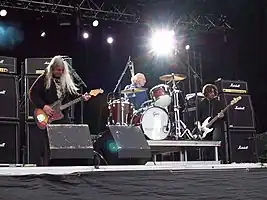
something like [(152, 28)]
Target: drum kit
[(158, 118)]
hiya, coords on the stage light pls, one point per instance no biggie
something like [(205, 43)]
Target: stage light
[(187, 47), (110, 40), (85, 35), (43, 34), (163, 42), (95, 23), (3, 13)]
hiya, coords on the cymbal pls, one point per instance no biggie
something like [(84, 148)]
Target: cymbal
[(175, 77), (133, 90)]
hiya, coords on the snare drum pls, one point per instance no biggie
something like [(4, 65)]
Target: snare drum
[(120, 116), (154, 122), (161, 95)]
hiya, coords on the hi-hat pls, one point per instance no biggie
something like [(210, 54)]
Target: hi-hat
[(133, 90), (171, 77)]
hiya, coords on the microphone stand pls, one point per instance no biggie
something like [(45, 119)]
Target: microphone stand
[(117, 86), (196, 76), (81, 84)]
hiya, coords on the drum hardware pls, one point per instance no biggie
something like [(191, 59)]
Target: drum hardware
[(180, 129), (133, 90), (172, 77)]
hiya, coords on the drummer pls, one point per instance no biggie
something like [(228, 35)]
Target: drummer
[(138, 98)]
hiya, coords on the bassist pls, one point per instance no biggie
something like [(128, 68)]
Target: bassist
[(55, 83), (211, 106)]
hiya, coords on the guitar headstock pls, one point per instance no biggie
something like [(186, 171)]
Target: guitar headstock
[(235, 100), (95, 92)]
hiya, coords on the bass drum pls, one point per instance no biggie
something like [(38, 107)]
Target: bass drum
[(154, 122)]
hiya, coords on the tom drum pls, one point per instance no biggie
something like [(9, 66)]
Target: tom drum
[(120, 112), (161, 95)]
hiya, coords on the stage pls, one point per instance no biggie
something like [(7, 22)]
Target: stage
[(166, 180)]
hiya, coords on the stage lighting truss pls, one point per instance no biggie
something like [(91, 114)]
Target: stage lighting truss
[(95, 9), (203, 23), (116, 10)]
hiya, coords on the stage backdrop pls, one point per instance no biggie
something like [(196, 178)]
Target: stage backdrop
[(142, 185)]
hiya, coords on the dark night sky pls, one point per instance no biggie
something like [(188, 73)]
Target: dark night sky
[(100, 65)]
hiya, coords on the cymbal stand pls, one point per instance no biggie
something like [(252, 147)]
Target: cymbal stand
[(179, 125)]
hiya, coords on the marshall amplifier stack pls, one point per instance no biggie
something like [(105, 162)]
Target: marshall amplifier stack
[(9, 111), (240, 121)]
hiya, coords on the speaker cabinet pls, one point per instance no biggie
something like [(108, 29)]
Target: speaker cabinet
[(9, 142), (29, 107), (38, 65), (9, 97), (8, 65), (58, 145), (242, 146), (241, 114), (36, 140), (72, 141), (123, 145)]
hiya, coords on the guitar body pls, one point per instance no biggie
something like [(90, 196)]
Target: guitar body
[(42, 119), (204, 129)]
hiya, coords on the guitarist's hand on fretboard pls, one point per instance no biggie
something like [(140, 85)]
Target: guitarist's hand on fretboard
[(220, 114), (86, 96)]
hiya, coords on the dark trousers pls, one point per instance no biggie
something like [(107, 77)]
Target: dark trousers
[(216, 135), (45, 158)]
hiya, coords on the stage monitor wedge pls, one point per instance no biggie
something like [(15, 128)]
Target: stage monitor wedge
[(123, 145), (70, 141)]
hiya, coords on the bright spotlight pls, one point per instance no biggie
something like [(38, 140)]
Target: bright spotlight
[(110, 40), (95, 23), (85, 35), (3, 13), (163, 42), (187, 47), (43, 34)]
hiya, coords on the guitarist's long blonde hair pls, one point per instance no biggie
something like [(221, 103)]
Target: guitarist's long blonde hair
[(66, 80)]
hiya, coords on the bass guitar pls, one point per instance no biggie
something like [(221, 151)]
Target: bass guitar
[(42, 119), (205, 128)]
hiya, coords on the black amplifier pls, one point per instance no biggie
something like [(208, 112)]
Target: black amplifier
[(231, 86), (8, 65), (38, 65)]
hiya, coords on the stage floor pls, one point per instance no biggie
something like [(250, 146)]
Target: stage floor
[(168, 181), (150, 166)]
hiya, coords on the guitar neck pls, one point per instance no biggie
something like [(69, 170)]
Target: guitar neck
[(77, 100), (216, 118)]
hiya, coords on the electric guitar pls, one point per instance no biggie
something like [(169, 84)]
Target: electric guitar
[(205, 127), (42, 119)]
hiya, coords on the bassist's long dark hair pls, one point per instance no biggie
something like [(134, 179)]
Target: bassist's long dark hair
[(208, 89)]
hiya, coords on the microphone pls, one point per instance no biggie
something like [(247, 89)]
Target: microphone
[(131, 67)]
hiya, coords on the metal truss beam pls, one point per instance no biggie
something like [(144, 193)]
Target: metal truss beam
[(204, 23), (129, 12), (87, 8)]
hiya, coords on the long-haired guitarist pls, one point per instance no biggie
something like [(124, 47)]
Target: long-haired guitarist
[(54, 84)]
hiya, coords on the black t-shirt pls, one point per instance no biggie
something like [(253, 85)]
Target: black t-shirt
[(40, 96), (210, 108)]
